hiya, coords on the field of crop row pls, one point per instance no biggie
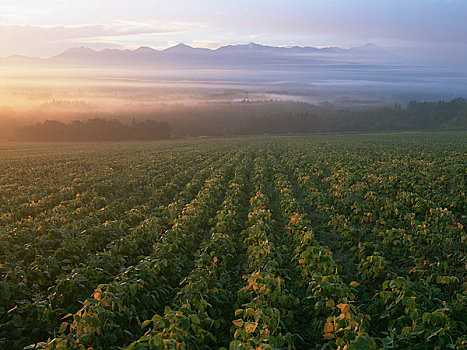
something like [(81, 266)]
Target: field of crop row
[(320, 242)]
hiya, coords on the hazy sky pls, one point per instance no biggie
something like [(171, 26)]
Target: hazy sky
[(47, 27)]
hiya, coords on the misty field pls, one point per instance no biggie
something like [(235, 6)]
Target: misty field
[(325, 241)]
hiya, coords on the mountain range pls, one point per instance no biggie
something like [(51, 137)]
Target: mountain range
[(184, 54)]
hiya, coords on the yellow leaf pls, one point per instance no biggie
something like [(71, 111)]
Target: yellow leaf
[(328, 327), (238, 312), (354, 284), (345, 308), (63, 327), (250, 327), (238, 323)]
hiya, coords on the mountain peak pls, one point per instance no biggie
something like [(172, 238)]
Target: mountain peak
[(79, 50), (246, 47), (252, 45), (82, 52), (145, 49), (179, 47)]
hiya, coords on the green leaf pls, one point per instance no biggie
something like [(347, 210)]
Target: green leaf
[(361, 343), (194, 319)]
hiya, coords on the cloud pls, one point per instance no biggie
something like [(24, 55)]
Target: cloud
[(45, 41)]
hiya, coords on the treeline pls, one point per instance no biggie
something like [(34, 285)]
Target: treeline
[(97, 129), (251, 119)]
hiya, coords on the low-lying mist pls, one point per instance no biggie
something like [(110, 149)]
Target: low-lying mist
[(33, 90)]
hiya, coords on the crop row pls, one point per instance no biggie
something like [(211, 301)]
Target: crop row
[(114, 313), (198, 317), (349, 242)]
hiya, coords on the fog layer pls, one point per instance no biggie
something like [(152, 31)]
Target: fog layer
[(82, 83)]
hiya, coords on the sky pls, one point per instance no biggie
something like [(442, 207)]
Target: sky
[(48, 27)]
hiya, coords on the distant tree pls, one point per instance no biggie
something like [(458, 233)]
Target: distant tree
[(96, 129)]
